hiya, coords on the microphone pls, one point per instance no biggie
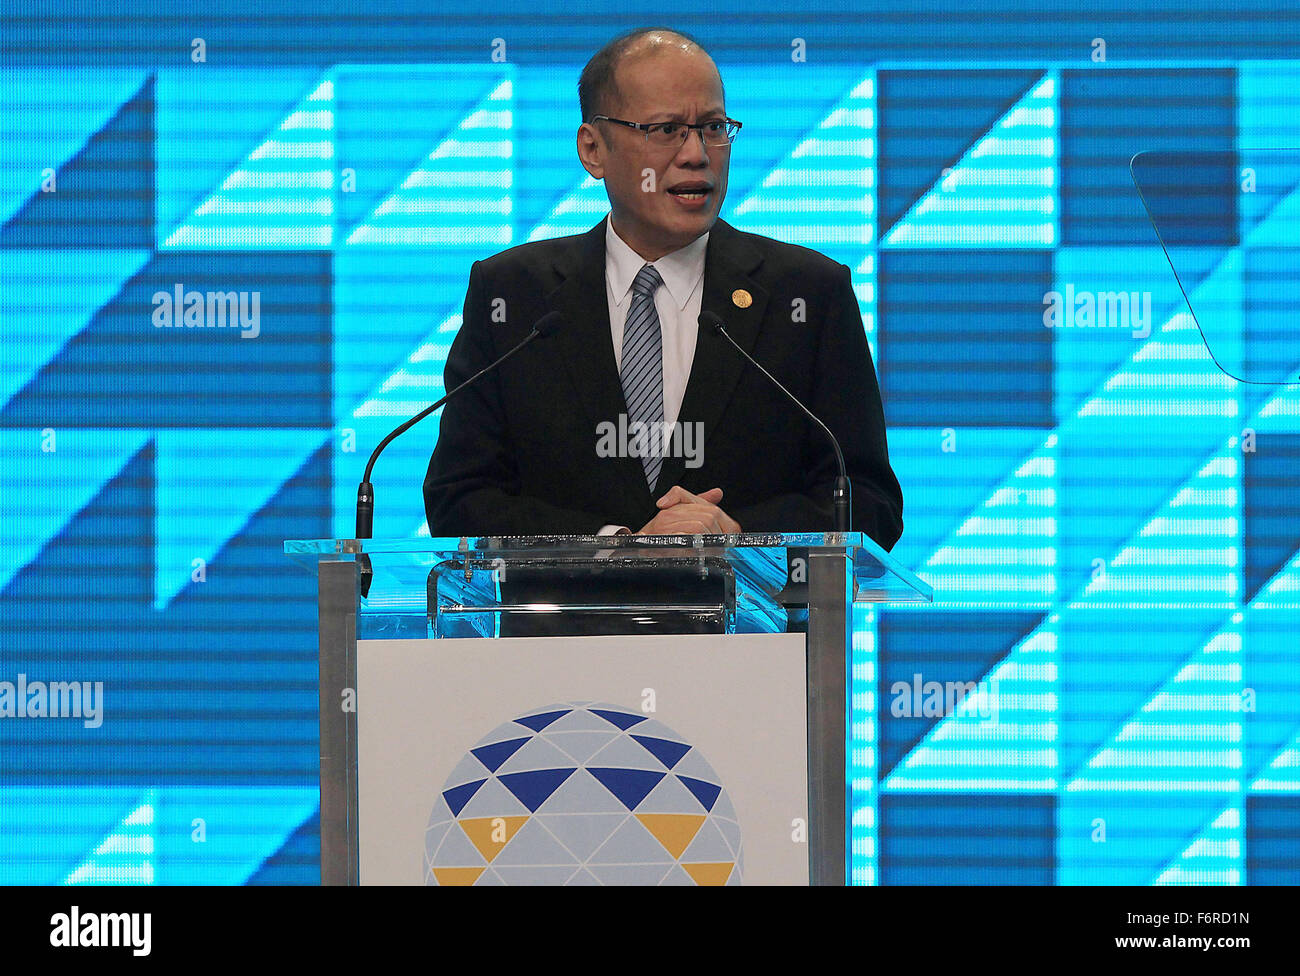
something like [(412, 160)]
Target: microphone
[(545, 326), (841, 496)]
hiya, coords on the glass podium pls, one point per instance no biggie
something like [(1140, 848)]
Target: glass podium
[(427, 590)]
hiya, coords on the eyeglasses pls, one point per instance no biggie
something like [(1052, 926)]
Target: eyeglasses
[(669, 135)]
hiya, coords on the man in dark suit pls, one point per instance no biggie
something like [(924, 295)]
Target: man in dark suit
[(562, 438)]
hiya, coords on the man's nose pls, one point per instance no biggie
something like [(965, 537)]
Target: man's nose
[(693, 151)]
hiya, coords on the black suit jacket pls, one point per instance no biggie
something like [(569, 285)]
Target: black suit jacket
[(517, 453)]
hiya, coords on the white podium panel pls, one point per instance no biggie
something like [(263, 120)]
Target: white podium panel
[(583, 760)]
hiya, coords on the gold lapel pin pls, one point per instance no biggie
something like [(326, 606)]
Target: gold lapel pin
[(741, 298)]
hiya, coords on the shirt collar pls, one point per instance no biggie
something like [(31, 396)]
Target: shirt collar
[(680, 270)]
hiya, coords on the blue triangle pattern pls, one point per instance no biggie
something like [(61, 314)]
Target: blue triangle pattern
[(541, 720), (668, 753), (296, 861), (105, 192), (458, 796), (623, 720), (534, 787), (630, 786), (706, 793), (492, 756), (910, 166)]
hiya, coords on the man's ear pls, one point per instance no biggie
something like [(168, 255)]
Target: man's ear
[(591, 151)]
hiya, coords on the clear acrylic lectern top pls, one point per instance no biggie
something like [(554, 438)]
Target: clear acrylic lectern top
[(444, 587)]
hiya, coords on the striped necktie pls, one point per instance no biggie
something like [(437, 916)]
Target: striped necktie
[(642, 369)]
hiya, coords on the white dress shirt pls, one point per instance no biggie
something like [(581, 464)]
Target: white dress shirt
[(677, 301)]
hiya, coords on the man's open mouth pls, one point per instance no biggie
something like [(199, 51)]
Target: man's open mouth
[(691, 191)]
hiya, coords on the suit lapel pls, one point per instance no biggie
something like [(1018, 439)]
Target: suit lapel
[(728, 263), (587, 347)]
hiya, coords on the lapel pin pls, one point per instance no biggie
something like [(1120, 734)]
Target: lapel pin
[(741, 298)]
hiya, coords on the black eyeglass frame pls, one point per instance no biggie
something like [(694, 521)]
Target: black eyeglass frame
[(733, 128)]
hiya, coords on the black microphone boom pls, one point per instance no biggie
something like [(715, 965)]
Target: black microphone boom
[(841, 496), (545, 326)]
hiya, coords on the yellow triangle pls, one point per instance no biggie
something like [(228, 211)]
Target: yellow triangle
[(674, 830), (709, 874), (491, 834), (451, 877)]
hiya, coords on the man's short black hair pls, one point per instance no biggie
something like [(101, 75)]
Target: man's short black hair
[(597, 90)]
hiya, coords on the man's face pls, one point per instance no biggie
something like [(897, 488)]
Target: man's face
[(648, 186)]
